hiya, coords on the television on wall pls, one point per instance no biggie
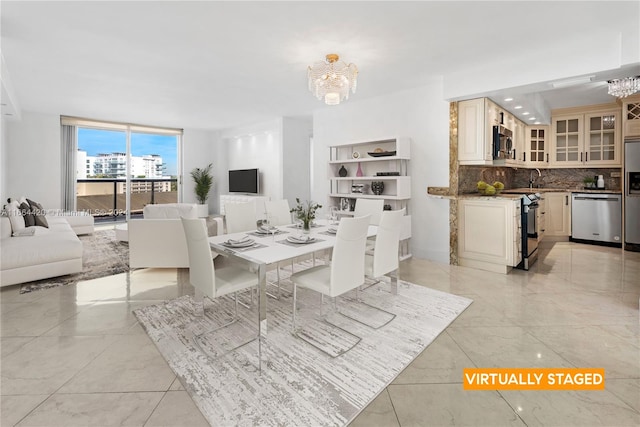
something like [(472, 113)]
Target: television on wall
[(244, 181)]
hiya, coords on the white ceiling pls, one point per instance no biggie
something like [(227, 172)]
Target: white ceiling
[(212, 65)]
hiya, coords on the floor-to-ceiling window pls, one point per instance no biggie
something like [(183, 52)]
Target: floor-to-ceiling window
[(120, 168)]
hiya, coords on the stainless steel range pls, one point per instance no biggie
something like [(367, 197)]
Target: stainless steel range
[(530, 230)]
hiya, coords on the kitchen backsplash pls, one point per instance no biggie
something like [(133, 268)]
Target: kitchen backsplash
[(468, 177)]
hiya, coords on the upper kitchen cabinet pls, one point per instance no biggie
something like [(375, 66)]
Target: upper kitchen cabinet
[(477, 119), (536, 146), (587, 138), (631, 116)]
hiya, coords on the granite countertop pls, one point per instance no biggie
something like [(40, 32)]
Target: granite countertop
[(527, 190)]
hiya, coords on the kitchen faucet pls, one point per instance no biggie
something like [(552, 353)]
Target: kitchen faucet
[(532, 179)]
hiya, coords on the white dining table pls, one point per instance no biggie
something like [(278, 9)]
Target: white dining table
[(269, 250)]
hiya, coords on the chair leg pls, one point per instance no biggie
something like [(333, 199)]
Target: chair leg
[(199, 302), (295, 299), (394, 275)]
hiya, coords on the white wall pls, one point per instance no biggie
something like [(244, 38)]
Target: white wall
[(296, 146), (420, 114), (257, 146), (3, 161), (33, 159), (199, 148)]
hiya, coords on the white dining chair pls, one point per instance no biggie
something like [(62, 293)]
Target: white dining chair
[(384, 259), (278, 212), (240, 216), (345, 273), (206, 279), (372, 207)]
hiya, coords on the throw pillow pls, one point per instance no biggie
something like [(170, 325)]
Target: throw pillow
[(29, 217), (15, 217), (39, 213)]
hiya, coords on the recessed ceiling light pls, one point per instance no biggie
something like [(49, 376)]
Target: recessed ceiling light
[(526, 113), (532, 118), (517, 107), (536, 123), (508, 99)]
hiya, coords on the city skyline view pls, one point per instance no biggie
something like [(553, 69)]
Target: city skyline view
[(100, 141)]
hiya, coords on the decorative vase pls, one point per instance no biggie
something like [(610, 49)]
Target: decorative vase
[(377, 187), (359, 172), (342, 172), (306, 227)]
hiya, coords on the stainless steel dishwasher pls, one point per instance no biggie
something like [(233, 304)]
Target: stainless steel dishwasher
[(597, 218)]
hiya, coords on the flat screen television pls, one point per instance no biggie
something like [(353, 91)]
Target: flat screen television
[(244, 181)]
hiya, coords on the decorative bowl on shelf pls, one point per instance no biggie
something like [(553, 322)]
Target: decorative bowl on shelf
[(381, 153)]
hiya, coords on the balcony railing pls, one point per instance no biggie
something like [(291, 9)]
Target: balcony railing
[(105, 198)]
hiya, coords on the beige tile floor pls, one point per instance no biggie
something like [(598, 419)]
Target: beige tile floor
[(75, 355)]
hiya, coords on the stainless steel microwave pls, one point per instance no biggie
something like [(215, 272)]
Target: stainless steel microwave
[(502, 143)]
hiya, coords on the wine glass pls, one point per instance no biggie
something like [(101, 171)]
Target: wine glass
[(268, 223)]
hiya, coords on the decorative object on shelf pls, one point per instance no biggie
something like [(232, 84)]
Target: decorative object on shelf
[(387, 173), (352, 204), (306, 213), (490, 189), (359, 172), (386, 207), (377, 187), (589, 182), (624, 87), (204, 182), (358, 188), (355, 154), (332, 79), (343, 171), (344, 204), (381, 153)]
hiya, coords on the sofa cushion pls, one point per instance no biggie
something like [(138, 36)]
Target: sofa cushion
[(46, 246), (39, 213), (29, 216), (15, 216)]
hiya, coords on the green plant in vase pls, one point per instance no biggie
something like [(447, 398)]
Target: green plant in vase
[(589, 182), (306, 212)]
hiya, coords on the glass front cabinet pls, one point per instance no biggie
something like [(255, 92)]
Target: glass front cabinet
[(586, 140)]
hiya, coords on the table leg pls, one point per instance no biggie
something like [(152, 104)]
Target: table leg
[(262, 309)]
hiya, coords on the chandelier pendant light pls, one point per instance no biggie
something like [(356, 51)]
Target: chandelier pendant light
[(332, 80), (624, 87)]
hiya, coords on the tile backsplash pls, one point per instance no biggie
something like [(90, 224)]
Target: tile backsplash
[(468, 177)]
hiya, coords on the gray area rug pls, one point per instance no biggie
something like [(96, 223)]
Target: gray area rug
[(299, 384), (102, 255)]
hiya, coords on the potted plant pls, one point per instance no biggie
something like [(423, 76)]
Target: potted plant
[(588, 182), (306, 213), (204, 181)]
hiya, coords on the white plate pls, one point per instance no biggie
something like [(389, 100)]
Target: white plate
[(301, 240), (332, 230), (240, 244), (265, 231)]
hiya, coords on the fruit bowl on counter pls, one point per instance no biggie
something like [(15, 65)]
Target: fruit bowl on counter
[(490, 189)]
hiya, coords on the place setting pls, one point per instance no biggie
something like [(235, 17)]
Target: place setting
[(300, 239), (243, 244), (264, 229)]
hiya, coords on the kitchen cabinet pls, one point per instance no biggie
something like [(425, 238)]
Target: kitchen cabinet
[(631, 116), (587, 139), (557, 214), (489, 233), (476, 119), (541, 217), (536, 154)]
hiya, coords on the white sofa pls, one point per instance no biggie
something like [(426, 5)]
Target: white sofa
[(157, 240), (50, 252)]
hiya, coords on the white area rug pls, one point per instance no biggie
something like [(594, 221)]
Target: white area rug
[(299, 385)]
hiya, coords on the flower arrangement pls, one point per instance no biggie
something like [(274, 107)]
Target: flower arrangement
[(305, 212)]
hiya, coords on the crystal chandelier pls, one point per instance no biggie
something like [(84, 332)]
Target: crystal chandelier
[(332, 79), (624, 87)]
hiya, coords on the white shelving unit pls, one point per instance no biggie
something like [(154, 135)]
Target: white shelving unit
[(397, 188)]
